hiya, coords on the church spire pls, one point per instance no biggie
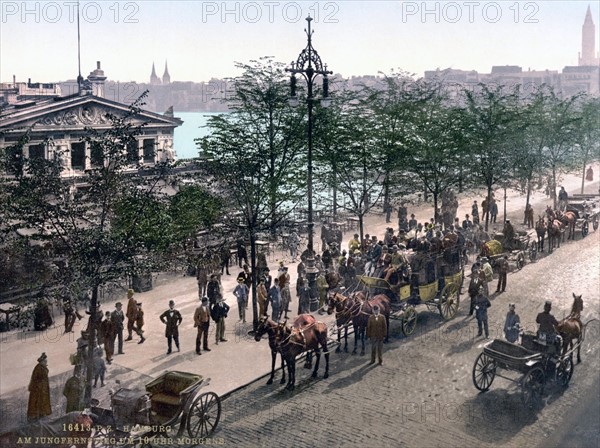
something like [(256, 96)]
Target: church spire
[(166, 79), (153, 78), (588, 56)]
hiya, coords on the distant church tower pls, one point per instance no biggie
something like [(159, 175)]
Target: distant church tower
[(154, 80), (166, 79), (588, 55)]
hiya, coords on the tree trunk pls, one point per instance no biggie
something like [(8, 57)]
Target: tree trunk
[(583, 175), (89, 376), (527, 198), (504, 220), (254, 275), (436, 215), (553, 189)]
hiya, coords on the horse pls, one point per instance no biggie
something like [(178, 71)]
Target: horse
[(361, 311), (555, 228), (266, 325), (540, 230), (550, 214), (343, 318), (571, 327), (568, 219), (304, 335)]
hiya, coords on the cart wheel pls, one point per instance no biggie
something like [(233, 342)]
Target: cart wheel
[(204, 415), (409, 321), (449, 301), (595, 225), (585, 229), (520, 261), (564, 371), (532, 386), (484, 372), (533, 253)]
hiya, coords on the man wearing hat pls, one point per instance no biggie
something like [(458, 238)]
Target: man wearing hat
[(39, 391), (547, 324), (202, 322), (376, 330), (512, 324), (218, 312), (241, 294), (412, 223), (509, 235), (261, 297), (70, 314), (131, 314), (139, 323), (118, 317), (467, 223), (502, 271), (172, 319), (108, 333)]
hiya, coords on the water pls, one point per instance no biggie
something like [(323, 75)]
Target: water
[(193, 127)]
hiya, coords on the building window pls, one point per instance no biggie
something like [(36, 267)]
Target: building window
[(133, 152), (78, 156), (37, 151), (149, 150), (14, 160), (96, 156)]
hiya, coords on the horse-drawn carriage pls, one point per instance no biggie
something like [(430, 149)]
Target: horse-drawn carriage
[(170, 407), (518, 249), (587, 212), (436, 284)]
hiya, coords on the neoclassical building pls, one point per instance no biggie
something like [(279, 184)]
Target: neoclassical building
[(57, 124)]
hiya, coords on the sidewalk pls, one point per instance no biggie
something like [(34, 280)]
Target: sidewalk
[(229, 364)]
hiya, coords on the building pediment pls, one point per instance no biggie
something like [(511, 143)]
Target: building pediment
[(75, 113)]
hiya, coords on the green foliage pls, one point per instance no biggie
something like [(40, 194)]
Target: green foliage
[(193, 208)]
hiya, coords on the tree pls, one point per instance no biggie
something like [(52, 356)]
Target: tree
[(116, 224), (587, 133), (254, 153)]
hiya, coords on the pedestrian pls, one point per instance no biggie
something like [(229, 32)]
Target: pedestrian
[(412, 223), (39, 391), (225, 257), (474, 285), (74, 391), (493, 210), (172, 319), (241, 294), (213, 290), (563, 199), (484, 209), (139, 323), (293, 243), (242, 252), (286, 295), (482, 303), (388, 209), (108, 332), (467, 223), (131, 314), (487, 274), (512, 324), (275, 300), (529, 216), (402, 214), (202, 322), (218, 312), (202, 277), (589, 174), (304, 298), (376, 330), (70, 314), (502, 271), (119, 318), (99, 369), (262, 294), (475, 212)]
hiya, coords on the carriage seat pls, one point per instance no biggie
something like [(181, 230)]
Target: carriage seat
[(166, 389)]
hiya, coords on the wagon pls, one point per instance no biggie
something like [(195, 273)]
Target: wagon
[(536, 363), (523, 248), (587, 212), (172, 406), (440, 293)]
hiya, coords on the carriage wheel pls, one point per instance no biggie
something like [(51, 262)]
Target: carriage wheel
[(533, 253), (449, 301), (520, 261), (484, 372), (204, 415), (532, 386), (409, 321), (585, 229), (564, 371)]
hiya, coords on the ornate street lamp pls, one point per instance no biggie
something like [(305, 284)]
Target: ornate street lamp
[(309, 65)]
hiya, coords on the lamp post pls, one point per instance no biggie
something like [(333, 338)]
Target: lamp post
[(310, 66)]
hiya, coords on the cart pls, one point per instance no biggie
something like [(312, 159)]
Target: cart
[(440, 293), (536, 362), (523, 246), (172, 406), (587, 210)]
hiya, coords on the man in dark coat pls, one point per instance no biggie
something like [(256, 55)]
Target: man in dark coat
[(218, 312), (225, 256), (70, 315), (547, 323), (242, 252), (482, 303), (213, 290), (171, 318), (376, 330), (108, 333), (39, 391), (502, 272), (202, 322), (131, 314), (118, 318), (74, 390)]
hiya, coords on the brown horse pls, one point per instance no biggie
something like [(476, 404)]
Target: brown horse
[(362, 310), (571, 328), (343, 318), (266, 325), (568, 219), (540, 230), (304, 335), (555, 232)]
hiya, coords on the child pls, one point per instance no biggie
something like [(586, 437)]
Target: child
[(99, 369)]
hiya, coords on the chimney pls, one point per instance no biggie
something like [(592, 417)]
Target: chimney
[(14, 81), (97, 79)]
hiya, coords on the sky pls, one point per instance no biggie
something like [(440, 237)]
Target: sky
[(203, 40)]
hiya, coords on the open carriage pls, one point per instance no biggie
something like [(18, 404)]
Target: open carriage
[(536, 362), (587, 210), (522, 247), (172, 407), (436, 285)]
